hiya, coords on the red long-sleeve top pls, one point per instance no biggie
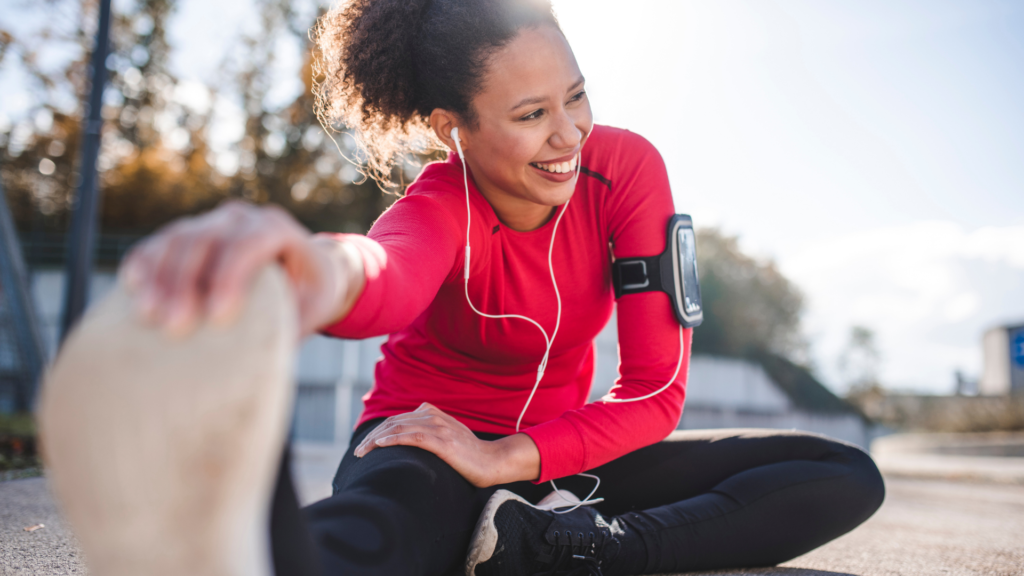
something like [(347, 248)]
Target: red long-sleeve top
[(481, 370)]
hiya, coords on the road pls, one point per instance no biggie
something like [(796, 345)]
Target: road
[(925, 527)]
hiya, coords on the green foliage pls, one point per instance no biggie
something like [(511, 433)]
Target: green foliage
[(749, 306), (18, 445), (19, 424)]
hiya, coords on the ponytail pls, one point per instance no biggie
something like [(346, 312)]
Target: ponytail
[(385, 65)]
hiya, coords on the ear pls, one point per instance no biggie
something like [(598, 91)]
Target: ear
[(442, 121)]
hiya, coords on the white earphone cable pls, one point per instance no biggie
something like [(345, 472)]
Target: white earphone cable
[(613, 400), (548, 341)]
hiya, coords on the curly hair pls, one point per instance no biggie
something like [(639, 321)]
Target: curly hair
[(384, 65)]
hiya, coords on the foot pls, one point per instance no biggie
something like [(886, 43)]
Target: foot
[(163, 451), (514, 537)]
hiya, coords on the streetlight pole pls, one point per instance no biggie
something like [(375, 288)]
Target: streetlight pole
[(81, 239)]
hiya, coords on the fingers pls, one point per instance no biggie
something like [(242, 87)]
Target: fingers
[(202, 267), (430, 429), (274, 236), (419, 439), (233, 269), (137, 272), (159, 258), (403, 423), (431, 409), (426, 415), (188, 287), (418, 432), (165, 272)]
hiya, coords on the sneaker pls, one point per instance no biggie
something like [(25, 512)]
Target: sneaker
[(163, 452), (513, 537)]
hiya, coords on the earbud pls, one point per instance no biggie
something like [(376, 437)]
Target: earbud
[(455, 136)]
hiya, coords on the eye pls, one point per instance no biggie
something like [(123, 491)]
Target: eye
[(534, 115), (578, 96)]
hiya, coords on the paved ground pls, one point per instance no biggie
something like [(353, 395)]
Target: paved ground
[(925, 527), (50, 550), (991, 457)]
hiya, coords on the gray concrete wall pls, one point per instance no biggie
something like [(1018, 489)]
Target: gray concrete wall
[(847, 427), (333, 375), (47, 285)]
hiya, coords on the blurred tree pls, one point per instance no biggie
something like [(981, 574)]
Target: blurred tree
[(156, 161), (749, 306), (144, 182), (860, 360), (859, 364), (285, 156)]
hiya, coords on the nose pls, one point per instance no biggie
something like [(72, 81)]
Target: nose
[(565, 135)]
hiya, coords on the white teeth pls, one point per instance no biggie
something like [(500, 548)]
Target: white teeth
[(558, 167)]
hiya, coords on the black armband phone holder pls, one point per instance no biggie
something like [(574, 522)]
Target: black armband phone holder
[(673, 272)]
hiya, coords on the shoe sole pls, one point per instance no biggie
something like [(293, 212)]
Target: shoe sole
[(162, 451), (485, 535)]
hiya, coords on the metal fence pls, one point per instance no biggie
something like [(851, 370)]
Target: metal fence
[(314, 413), (49, 249)]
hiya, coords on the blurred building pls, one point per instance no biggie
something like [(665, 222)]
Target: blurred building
[(333, 375), (1003, 361), (766, 392), (737, 393)]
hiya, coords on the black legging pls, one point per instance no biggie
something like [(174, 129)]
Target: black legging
[(701, 499)]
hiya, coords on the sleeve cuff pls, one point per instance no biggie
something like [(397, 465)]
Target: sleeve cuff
[(562, 452), (360, 319)]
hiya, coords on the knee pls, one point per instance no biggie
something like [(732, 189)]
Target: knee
[(401, 509), (363, 530), (406, 464), (867, 488), (414, 480)]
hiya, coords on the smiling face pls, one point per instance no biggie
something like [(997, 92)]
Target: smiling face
[(533, 117)]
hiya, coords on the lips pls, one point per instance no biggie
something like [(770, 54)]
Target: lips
[(557, 167)]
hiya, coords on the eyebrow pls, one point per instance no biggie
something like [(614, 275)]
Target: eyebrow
[(538, 99)]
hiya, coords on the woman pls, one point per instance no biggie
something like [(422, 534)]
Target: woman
[(492, 278)]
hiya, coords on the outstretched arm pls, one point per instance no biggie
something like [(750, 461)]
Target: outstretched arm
[(407, 255), (199, 268)]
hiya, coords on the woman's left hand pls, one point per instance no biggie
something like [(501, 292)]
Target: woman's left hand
[(483, 463)]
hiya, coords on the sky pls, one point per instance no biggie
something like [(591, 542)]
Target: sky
[(872, 148)]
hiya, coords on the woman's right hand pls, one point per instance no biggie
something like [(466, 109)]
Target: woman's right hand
[(200, 268)]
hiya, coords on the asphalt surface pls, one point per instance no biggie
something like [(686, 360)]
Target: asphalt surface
[(50, 550), (925, 527)]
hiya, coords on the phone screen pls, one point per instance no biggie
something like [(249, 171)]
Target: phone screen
[(691, 286)]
